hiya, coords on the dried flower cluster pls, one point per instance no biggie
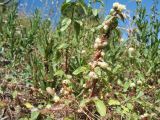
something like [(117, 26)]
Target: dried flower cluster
[(100, 43), (118, 6), (138, 0)]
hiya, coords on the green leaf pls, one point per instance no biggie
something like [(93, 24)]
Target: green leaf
[(79, 70), (34, 115), (100, 106), (62, 46), (14, 94), (65, 24), (95, 12), (59, 73), (100, 1), (140, 94), (129, 106), (65, 9), (84, 101), (113, 102), (83, 7)]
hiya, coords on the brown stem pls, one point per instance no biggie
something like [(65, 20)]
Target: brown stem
[(66, 61), (93, 93)]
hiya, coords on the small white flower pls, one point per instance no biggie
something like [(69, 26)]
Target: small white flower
[(83, 51), (138, 0), (69, 76), (131, 50), (93, 75), (98, 40), (104, 43), (132, 85), (119, 6), (5, 21), (84, 85), (93, 64), (96, 45), (100, 45), (62, 90), (121, 40), (18, 32), (66, 81), (105, 27), (116, 5), (103, 65), (66, 92), (139, 82), (144, 115), (102, 53), (56, 98), (34, 109), (50, 91)]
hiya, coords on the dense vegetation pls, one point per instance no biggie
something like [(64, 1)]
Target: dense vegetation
[(85, 68)]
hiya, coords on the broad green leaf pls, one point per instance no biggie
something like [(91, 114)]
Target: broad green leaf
[(59, 73), (80, 22), (100, 106), (34, 115), (84, 102), (129, 106), (113, 102), (65, 24), (125, 109), (79, 70), (126, 86)]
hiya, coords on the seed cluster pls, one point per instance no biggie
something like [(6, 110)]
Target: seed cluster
[(100, 43)]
